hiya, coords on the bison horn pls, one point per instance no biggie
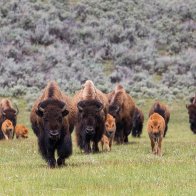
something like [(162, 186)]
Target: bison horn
[(3, 113), (17, 110), (41, 109), (194, 100), (64, 108)]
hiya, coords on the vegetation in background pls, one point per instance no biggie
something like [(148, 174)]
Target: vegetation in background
[(131, 42)]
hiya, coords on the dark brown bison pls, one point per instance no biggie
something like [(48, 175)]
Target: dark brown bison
[(138, 120), (51, 122), (163, 110), (91, 106), (121, 107), (192, 114), (7, 112)]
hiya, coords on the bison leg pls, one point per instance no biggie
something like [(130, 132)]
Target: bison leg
[(95, 147), (64, 150), (127, 131), (152, 145), (165, 131), (87, 147), (159, 147)]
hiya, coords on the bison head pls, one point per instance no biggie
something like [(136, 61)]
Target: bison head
[(52, 113), (116, 105), (89, 114), (110, 126), (192, 116), (10, 114)]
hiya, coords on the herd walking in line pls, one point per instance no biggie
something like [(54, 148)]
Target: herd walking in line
[(95, 116)]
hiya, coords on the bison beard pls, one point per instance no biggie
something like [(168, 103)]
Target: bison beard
[(53, 133), (90, 124)]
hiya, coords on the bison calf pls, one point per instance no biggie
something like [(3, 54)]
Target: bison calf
[(155, 128), (21, 131), (162, 110), (7, 129), (108, 136)]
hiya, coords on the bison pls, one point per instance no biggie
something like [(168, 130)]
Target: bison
[(121, 107), (108, 136), (7, 112), (21, 131), (7, 129), (156, 128), (91, 105), (192, 114), (163, 110), (138, 120), (52, 120)]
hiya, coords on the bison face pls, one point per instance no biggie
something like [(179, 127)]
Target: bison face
[(192, 117), (89, 113), (52, 113), (110, 126), (10, 114)]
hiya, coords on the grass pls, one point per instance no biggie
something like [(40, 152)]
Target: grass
[(126, 170)]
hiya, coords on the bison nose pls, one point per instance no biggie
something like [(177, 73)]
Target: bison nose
[(89, 130), (54, 132)]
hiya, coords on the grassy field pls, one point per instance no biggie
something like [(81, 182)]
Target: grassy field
[(127, 170)]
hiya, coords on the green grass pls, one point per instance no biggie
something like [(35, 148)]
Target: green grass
[(126, 170)]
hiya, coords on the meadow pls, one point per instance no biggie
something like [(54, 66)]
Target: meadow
[(127, 170)]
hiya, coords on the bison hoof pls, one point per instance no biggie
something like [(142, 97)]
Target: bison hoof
[(60, 162), (51, 163)]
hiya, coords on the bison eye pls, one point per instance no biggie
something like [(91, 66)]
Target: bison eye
[(151, 126), (158, 127)]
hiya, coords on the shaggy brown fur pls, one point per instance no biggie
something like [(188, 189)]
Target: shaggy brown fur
[(93, 98), (21, 131), (121, 107), (52, 118), (192, 116), (90, 92), (7, 129), (108, 136), (7, 112), (163, 110), (155, 128)]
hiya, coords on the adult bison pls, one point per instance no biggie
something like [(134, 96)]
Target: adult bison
[(121, 107), (192, 114), (52, 120), (91, 105), (138, 120), (162, 110), (7, 112)]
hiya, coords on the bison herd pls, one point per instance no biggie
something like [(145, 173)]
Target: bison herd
[(96, 117)]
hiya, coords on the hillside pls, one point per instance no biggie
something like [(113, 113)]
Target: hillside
[(149, 46)]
